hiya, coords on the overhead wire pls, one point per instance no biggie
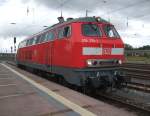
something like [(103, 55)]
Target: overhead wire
[(129, 6)]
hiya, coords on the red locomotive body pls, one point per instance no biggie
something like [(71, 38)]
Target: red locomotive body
[(84, 51)]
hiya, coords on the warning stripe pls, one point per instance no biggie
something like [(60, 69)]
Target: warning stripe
[(99, 51)]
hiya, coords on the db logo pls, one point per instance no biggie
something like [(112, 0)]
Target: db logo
[(106, 51)]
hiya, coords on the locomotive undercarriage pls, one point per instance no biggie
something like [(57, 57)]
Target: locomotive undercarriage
[(102, 78), (98, 77)]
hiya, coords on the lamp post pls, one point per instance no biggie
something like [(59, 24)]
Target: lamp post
[(14, 44)]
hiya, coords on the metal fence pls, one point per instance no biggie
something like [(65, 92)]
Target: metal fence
[(137, 53), (7, 56)]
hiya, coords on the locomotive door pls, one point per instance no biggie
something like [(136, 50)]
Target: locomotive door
[(49, 55), (49, 50)]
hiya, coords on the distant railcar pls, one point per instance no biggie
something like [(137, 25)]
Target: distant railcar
[(85, 51)]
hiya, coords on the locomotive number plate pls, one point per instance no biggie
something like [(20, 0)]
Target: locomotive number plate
[(106, 51)]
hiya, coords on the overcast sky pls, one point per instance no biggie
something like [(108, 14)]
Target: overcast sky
[(130, 17)]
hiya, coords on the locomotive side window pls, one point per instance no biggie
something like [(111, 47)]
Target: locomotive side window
[(34, 41), (91, 30), (110, 31), (42, 38), (50, 36), (24, 43), (67, 31), (27, 42), (19, 46), (30, 41), (60, 33), (38, 39), (64, 32)]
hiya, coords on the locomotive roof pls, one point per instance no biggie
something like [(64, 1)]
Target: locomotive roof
[(81, 19), (89, 19)]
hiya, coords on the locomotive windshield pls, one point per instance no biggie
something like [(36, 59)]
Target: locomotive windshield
[(91, 30), (110, 31)]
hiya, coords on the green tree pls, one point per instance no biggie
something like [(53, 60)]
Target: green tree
[(128, 47), (147, 47)]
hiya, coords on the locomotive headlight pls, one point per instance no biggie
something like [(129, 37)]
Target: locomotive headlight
[(92, 63), (89, 63), (120, 61)]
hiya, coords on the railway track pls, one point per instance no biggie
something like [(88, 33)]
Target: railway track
[(137, 65), (135, 95), (140, 83), (138, 73), (132, 102), (139, 87)]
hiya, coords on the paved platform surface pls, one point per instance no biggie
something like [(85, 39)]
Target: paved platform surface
[(19, 97)]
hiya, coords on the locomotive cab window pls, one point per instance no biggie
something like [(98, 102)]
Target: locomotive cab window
[(110, 31), (91, 30)]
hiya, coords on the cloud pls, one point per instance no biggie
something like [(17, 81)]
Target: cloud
[(14, 30), (117, 10), (77, 5), (25, 25), (2, 2), (45, 12), (133, 9)]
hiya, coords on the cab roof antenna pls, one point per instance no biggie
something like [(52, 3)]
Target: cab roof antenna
[(61, 18), (86, 13), (61, 13)]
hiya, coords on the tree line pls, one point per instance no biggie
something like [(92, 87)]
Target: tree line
[(129, 47)]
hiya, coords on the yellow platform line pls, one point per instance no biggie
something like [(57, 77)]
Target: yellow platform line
[(61, 99)]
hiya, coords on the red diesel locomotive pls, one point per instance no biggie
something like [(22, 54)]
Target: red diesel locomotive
[(85, 51)]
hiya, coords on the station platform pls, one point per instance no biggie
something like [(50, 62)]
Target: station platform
[(26, 94)]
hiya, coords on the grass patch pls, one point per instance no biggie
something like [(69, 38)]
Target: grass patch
[(138, 59)]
